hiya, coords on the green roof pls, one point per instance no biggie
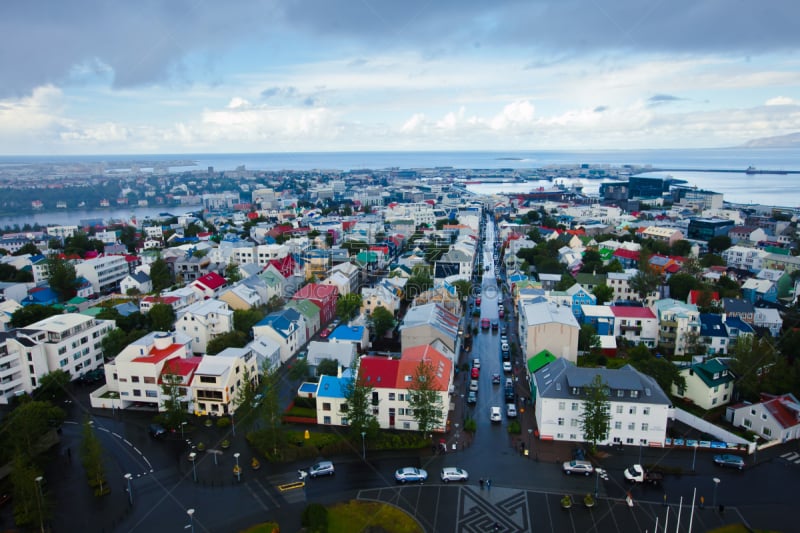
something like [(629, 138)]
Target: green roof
[(776, 250), (77, 300), (540, 360), (707, 371), (305, 307), (367, 257), (92, 311)]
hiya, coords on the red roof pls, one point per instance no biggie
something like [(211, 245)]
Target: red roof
[(156, 356), (626, 254), (384, 249), (285, 265), (411, 358), (625, 311), (316, 291), (379, 372), (348, 224), (181, 366), (212, 280), (786, 416), (131, 258), (694, 295), (161, 299)]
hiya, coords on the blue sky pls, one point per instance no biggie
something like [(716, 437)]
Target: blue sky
[(189, 76)]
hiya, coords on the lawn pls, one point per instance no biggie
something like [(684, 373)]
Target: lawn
[(357, 515), (735, 528)]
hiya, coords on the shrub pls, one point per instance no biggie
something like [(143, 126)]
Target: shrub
[(309, 403), (224, 422), (315, 518), (201, 446), (514, 427), (470, 425)]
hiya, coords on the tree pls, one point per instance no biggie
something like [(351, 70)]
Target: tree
[(29, 314), (28, 248), (245, 319), (588, 340), (463, 288), (161, 317), (419, 282), (53, 386), (663, 371), (30, 507), (681, 284), (160, 275), (603, 293), (299, 370), (360, 403), (691, 266), (565, 282), (645, 282), (424, 398), (173, 390), (592, 262), (382, 321), (274, 303), (328, 367), (232, 339), (753, 363), (710, 260), (681, 248), (92, 457), (114, 342), (25, 425), (232, 273), (720, 243), (596, 415), (61, 277), (270, 410), (347, 306)]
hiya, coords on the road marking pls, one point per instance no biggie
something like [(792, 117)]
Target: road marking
[(291, 486), (256, 496), (791, 456), (263, 488)]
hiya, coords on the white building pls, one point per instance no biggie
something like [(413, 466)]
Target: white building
[(219, 379), (744, 258), (775, 418), (104, 273), (709, 384), (544, 325), (204, 320), (638, 407)]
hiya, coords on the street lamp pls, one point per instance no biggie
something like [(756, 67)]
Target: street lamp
[(755, 449), (694, 456), (716, 483), (182, 424), (190, 512), (238, 470), (596, 482), (192, 457), (530, 433), (130, 493), (363, 445), (39, 498)]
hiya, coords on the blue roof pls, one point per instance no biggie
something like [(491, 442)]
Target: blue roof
[(280, 320), (711, 325), (332, 387), (127, 308), (347, 333), (734, 322)]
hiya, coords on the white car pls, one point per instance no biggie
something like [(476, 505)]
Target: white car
[(506, 366), (322, 468), (476, 363), (578, 467), (453, 473), (473, 385), (494, 414), (504, 346), (410, 474), (511, 410)]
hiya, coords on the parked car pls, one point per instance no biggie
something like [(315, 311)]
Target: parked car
[(322, 468), (637, 474), (578, 467), (496, 379), (478, 300), (484, 323), (472, 397), (495, 324), (494, 414), (257, 399), (501, 313), (410, 474), (727, 459), (473, 385), (506, 366), (157, 431), (511, 410), (475, 372), (324, 333), (503, 338), (476, 362), (453, 473), (509, 394)]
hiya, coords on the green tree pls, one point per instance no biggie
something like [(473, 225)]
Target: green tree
[(328, 367), (720, 243), (681, 248), (173, 389), (160, 275), (360, 403), (161, 317), (588, 340), (232, 339), (710, 260), (28, 248), (663, 371), (245, 319), (596, 416), (591, 262), (61, 277), (27, 424), (424, 398), (603, 293), (114, 342), (92, 457), (463, 288), (232, 273), (382, 321), (348, 306), (645, 281), (270, 410), (565, 283), (753, 362), (29, 314), (299, 370), (419, 282), (681, 284), (274, 303), (53, 386), (31, 507)]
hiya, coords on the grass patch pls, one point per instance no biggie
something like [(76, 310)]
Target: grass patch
[(302, 411), (356, 515), (738, 528), (268, 527)]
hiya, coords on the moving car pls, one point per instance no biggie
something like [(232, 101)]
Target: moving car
[(257, 399), (322, 468), (495, 379), (511, 410), (410, 474), (501, 313), (503, 337), (578, 467), (157, 431), (509, 394), (726, 459), (484, 323), (475, 372), (506, 366), (637, 474), (495, 324), (453, 473), (494, 414)]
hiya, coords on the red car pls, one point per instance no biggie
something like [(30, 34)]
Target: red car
[(484, 323), (475, 373), (478, 300), (501, 313), (325, 332)]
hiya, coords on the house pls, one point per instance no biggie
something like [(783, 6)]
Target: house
[(638, 407), (775, 418), (709, 384), (40, 296), (323, 296), (601, 317), (219, 380), (273, 281), (242, 296), (637, 325), (358, 335), (782, 280), (714, 333), (620, 285), (208, 285), (744, 258), (578, 296), (138, 281), (7, 309), (755, 289), (311, 315), (287, 327), (423, 324), (768, 318), (341, 352), (739, 308), (678, 324), (544, 325), (379, 296), (204, 320), (332, 393), (661, 234), (747, 234), (267, 351)]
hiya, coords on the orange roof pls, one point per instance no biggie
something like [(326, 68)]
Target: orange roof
[(410, 360), (156, 356)]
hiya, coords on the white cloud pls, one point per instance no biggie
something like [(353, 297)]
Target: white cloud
[(781, 100), (414, 123), (515, 114)]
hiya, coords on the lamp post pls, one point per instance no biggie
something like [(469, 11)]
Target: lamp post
[(755, 449), (640, 451), (530, 434), (130, 492), (39, 498), (182, 424), (596, 482), (192, 457), (694, 456), (363, 445), (716, 483), (190, 512), (238, 470)]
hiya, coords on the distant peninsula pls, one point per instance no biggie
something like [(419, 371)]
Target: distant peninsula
[(791, 140)]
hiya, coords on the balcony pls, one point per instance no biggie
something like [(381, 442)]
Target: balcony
[(669, 323), (669, 335), (627, 327)]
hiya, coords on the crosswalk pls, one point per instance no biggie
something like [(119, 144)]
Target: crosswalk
[(792, 457)]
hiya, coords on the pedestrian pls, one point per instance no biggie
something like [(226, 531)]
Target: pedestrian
[(481, 483), (488, 484)]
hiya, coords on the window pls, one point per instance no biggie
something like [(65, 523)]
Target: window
[(747, 423), (617, 425), (137, 392), (574, 406), (406, 425), (573, 422), (344, 408), (208, 379), (391, 396), (326, 420), (714, 401), (631, 426), (344, 422), (632, 411), (151, 393), (763, 416), (401, 396), (629, 440), (619, 409), (134, 379), (645, 426), (620, 393), (149, 380), (646, 411), (634, 394), (572, 436), (559, 435), (560, 421), (562, 406), (753, 412), (766, 431), (326, 406)]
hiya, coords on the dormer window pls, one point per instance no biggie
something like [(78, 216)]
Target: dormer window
[(620, 393), (634, 394), (716, 375)]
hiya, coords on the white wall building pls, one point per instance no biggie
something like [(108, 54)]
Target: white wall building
[(104, 273), (204, 320)]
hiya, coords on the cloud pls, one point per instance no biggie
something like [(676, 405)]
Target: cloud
[(282, 92), (660, 99), (781, 100), (600, 109)]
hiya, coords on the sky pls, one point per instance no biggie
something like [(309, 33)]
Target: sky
[(249, 76)]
